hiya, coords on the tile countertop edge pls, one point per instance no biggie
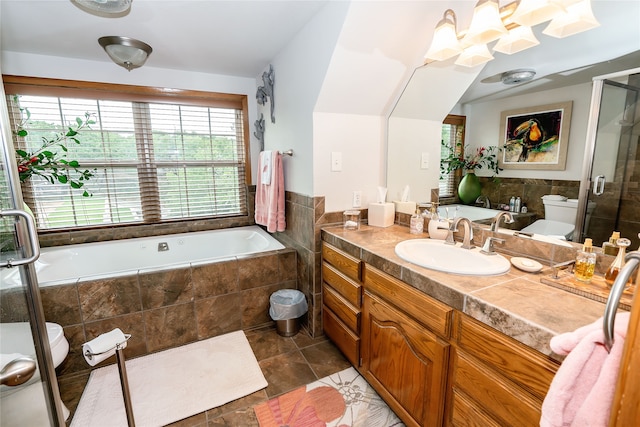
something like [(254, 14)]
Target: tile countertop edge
[(376, 246)]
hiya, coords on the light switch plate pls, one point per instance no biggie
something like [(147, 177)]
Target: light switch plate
[(336, 161), (424, 161)]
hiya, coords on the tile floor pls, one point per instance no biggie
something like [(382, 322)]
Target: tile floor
[(287, 363)]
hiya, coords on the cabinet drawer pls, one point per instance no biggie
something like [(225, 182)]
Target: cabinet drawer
[(341, 308), (465, 413), (343, 262), (529, 369), (429, 311), (503, 400), (346, 287), (341, 335)]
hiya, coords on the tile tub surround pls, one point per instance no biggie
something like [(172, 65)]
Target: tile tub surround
[(516, 303), (165, 309)]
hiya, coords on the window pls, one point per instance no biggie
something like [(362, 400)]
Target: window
[(452, 134), (155, 159)]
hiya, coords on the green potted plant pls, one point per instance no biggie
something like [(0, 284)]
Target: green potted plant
[(482, 157)]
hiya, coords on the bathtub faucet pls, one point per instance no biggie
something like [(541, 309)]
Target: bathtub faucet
[(163, 246), (495, 222), (485, 201)]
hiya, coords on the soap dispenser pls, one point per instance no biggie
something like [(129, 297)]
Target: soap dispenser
[(416, 224), (618, 263), (585, 262), (610, 248)]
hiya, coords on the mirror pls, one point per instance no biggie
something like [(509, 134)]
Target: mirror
[(564, 69)]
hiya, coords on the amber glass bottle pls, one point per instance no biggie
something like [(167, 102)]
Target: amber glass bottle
[(618, 263)]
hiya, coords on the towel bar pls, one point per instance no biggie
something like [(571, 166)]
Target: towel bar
[(632, 261), (288, 153)]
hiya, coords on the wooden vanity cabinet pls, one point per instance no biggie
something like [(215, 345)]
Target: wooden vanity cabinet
[(342, 300), (495, 380), (404, 348)]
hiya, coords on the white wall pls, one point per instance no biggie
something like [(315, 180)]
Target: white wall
[(483, 127), (375, 55), (358, 139), (299, 73)]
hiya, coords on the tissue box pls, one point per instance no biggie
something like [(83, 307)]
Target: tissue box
[(405, 207), (381, 214)]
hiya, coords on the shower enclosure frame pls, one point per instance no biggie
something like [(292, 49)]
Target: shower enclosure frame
[(590, 146)]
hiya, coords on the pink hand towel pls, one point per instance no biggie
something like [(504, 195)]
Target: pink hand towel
[(581, 393), (270, 196)]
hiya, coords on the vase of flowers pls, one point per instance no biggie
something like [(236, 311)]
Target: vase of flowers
[(469, 188)]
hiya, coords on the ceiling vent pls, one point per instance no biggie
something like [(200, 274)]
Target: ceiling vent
[(515, 77)]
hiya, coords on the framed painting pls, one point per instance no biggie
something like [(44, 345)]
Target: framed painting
[(535, 137)]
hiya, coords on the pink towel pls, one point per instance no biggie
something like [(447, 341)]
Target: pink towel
[(270, 197), (582, 391)]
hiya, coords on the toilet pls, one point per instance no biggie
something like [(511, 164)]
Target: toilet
[(17, 341), (559, 217)]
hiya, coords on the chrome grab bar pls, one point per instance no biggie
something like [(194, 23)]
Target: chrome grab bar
[(632, 260), (33, 238)]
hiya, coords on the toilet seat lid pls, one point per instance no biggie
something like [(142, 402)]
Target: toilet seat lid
[(550, 228)]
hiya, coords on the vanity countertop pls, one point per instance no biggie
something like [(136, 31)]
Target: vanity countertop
[(515, 303)]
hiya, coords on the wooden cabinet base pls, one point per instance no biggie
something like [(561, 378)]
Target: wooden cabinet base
[(405, 363)]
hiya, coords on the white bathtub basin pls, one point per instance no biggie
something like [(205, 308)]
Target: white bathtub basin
[(437, 255)]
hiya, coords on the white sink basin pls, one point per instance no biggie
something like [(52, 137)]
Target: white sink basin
[(437, 255)]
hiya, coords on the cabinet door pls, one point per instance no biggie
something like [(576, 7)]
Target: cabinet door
[(404, 362)]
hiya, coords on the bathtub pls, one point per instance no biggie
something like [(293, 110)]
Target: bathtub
[(474, 213), (67, 264)]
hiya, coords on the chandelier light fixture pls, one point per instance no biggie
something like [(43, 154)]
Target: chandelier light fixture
[(511, 25), (126, 52)]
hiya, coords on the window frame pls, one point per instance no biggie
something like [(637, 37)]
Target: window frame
[(109, 91), (456, 176)]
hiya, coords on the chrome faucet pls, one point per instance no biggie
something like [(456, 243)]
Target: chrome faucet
[(495, 222), (486, 203), (468, 232), (487, 248)]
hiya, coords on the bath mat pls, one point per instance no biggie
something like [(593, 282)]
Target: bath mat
[(173, 384), (344, 399)]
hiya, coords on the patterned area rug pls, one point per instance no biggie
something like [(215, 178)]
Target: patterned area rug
[(344, 399)]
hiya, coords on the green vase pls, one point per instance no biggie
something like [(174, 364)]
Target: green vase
[(469, 188)]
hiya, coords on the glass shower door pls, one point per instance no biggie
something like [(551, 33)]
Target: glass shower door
[(26, 368), (612, 186)]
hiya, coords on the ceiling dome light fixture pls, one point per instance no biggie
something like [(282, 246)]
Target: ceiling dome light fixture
[(126, 52), (106, 8), (515, 77)]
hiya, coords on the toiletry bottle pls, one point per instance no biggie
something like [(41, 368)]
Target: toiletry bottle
[(517, 205), (416, 224), (512, 204), (585, 262), (610, 248), (618, 263)]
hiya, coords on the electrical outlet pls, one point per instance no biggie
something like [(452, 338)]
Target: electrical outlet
[(357, 199)]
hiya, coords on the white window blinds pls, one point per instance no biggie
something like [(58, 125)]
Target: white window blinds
[(452, 134), (154, 161)]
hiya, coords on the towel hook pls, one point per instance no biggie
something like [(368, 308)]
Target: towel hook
[(632, 260)]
